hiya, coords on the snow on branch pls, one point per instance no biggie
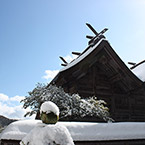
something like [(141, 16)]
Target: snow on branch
[(69, 105)]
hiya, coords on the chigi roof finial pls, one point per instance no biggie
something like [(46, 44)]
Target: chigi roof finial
[(97, 37), (93, 40)]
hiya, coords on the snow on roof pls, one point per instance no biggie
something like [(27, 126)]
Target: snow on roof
[(81, 57), (82, 131), (49, 107), (139, 71), (17, 130)]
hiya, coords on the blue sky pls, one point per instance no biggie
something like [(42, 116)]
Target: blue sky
[(34, 33)]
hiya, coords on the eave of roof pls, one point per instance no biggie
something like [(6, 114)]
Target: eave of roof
[(116, 62), (81, 57)]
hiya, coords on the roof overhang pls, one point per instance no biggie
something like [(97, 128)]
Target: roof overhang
[(106, 58)]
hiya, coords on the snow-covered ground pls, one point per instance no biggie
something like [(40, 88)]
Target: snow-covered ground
[(82, 131)]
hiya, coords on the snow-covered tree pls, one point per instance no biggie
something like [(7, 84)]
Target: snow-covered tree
[(69, 105)]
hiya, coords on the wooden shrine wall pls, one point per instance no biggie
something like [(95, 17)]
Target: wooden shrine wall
[(123, 105)]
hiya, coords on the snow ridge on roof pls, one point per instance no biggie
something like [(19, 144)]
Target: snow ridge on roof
[(82, 131), (18, 129)]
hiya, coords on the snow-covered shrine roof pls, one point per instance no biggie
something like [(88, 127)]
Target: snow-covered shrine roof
[(139, 71), (82, 131), (97, 55), (82, 56)]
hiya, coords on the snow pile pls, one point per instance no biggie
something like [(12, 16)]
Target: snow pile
[(49, 107), (139, 71), (17, 130), (48, 134), (82, 131)]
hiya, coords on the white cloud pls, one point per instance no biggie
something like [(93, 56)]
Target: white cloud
[(3, 97), (50, 74), (69, 58), (11, 107), (16, 112), (11, 112), (17, 98)]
